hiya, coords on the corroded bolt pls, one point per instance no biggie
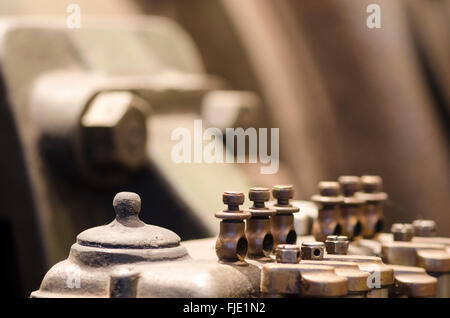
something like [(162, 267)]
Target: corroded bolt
[(287, 253), (313, 250), (233, 199), (260, 239), (231, 244), (329, 189), (349, 185), (114, 130), (402, 232), (372, 184), (337, 244), (328, 200), (372, 216), (424, 228), (282, 224), (351, 207)]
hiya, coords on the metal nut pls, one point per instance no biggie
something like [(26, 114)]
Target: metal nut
[(402, 232), (313, 250), (337, 244), (287, 253), (114, 130), (424, 228)]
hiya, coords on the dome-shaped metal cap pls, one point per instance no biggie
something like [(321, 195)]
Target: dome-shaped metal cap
[(127, 230)]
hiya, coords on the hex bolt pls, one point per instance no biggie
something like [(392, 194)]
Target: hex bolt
[(374, 197), (402, 232), (337, 244), (424, 228), (288, 254), (232, 244), (313, 250), (114, 133), (260, 239), (123, 284), (282, 223), (351, 207), (328, 201)]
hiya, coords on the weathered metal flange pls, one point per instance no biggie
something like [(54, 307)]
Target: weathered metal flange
[(302, 280)]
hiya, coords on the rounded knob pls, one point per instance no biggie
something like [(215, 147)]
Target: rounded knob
[(233, 198), (127, 204), (258, 194), (283, 192), (372, 184), (349, 185), (329, 188)]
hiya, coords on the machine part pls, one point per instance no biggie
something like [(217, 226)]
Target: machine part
[(282, 224), (128, 258), (114, 131), (424, 228), (260, 240), (351, 207), (328, 200), (372, 216), (226, 109), (313, 250), (337, 244), (402, 232), (287, 254), (357, 279), (279, 280), (381, 275), (232, 244), (434, 258), (413, 282), (123, 284)]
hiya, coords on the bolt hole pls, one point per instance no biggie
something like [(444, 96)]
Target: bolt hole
[(337, 230), (291, 238), (317, 252), (268, 244), (358, 229), (241, 248), (379, 226)]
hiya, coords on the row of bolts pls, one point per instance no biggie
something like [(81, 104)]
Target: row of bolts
[(271, 229)]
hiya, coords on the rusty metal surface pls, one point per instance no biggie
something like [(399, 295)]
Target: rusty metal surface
[(128, 258), (328, 200)]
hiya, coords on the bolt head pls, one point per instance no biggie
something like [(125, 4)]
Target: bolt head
[(233, 198), (259, 194), (349, 185), (287, 253), (371, 184), (402, 232), (329, 188), (283, 192), (114, 130), (337, 244), (313, 250), (424, 227)]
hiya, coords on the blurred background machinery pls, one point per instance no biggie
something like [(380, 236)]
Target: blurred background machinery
[(347, 99)]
